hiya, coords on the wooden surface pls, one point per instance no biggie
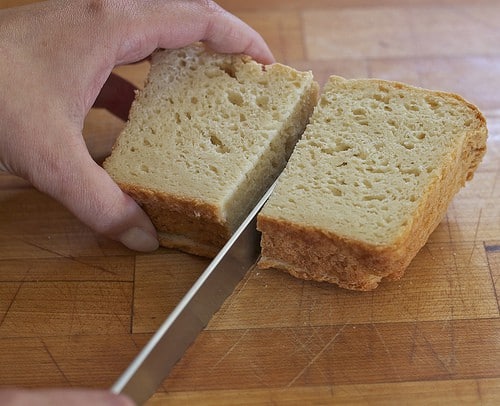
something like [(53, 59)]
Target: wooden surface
[(75, 308)]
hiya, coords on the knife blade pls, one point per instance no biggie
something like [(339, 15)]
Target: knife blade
[(153, 364)]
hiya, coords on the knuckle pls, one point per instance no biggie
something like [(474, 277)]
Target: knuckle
[(98, 10), (210, 7), (96, 7)]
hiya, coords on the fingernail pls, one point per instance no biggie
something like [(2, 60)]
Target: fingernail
[(138, 239)]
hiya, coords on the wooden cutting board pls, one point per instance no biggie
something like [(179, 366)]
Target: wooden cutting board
[(75, 308)]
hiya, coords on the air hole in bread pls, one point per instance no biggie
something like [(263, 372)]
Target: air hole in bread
[(213, 73), (383, 88), (361, 155), (374, 197), (376, 169), (235, 98), (229, 69), (408, 145), (432, 102), (324, 102), (382, 98), (342, 146), (215, 141), (411, 107), (367, 183), (262, 101), (335, 191), (410, 171)]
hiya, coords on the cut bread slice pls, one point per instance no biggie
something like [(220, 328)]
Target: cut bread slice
[(370, 179), (205, 138)]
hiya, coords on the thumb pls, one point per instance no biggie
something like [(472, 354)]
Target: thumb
[(86, 189)]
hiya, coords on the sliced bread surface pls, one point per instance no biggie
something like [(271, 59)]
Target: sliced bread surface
[(205, 137), (370, 179)]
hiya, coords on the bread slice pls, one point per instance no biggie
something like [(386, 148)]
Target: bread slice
[(369, 181), (205, 138)]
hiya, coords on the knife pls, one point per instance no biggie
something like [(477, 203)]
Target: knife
[(152, 365)]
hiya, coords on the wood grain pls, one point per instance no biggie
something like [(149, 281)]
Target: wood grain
[(75, 308)]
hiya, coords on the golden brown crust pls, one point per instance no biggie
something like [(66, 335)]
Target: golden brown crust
[(183, 223), (315, 254), (181, 242)]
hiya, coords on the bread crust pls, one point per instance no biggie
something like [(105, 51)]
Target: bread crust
[(191, 225), (315, 254)]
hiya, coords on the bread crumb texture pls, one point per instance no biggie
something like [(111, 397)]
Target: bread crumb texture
[(370, 179), (206, 136)]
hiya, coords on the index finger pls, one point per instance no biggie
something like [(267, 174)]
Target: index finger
[(177, 23), (228, 34)]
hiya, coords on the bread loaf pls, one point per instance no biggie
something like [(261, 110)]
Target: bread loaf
[(369, 181), (205, 138)]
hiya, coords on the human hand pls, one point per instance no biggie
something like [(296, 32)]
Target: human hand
[(61, 397), (56, 57)]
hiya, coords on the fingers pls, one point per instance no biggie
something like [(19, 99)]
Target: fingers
[(70, 176), (60, 397), (177, 23), (227, 34)]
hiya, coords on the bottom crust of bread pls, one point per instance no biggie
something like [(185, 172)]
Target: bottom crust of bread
[(182, 223), (183, 243), (368, 282), (313, 254)]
